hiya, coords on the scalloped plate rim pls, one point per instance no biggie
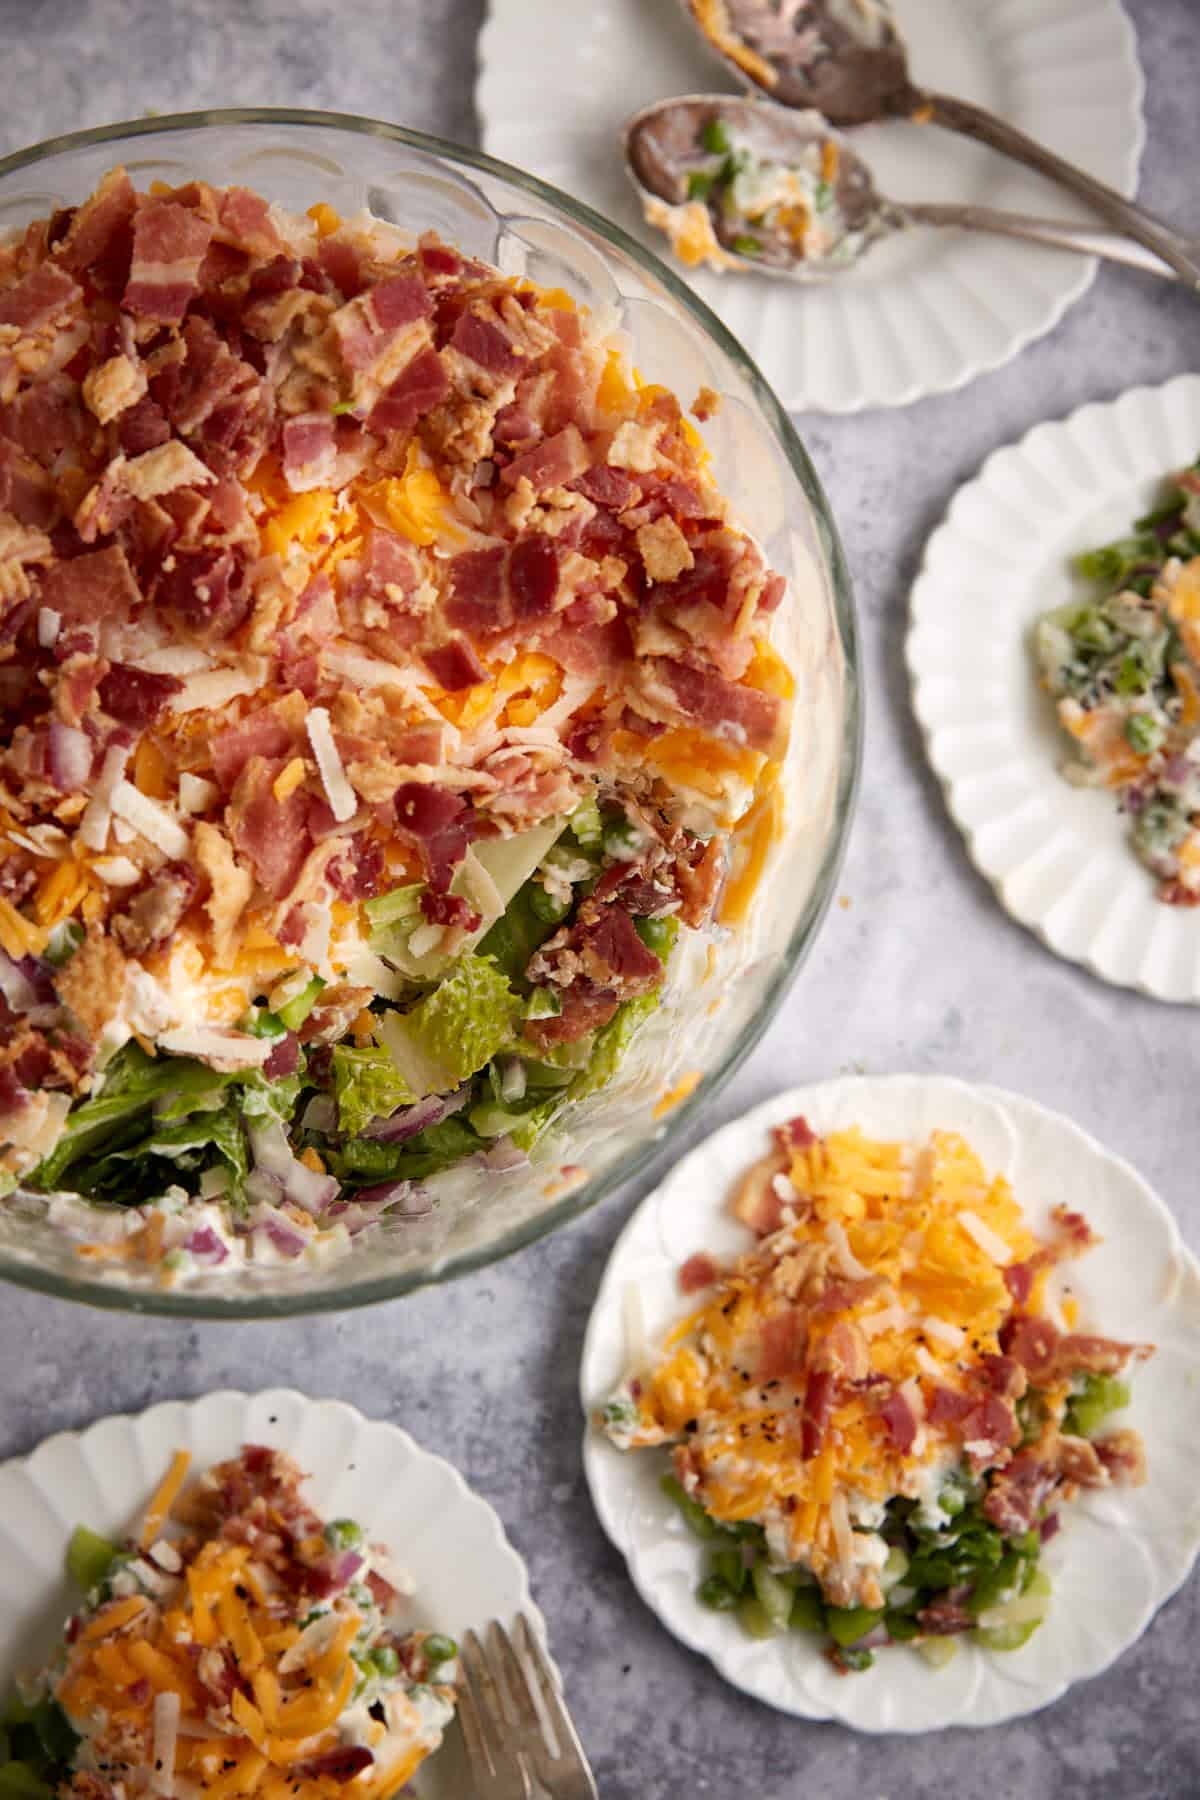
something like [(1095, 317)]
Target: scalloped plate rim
[(858, 396), (511, 1569), (926, 583), (767, 1112)]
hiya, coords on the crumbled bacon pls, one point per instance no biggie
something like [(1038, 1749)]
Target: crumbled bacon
[(582, 1012), (697, 1273), (900, 1421), (246, 477), (794, 1134), (169, 242), (147, 920)]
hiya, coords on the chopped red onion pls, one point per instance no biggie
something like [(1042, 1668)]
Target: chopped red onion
[(70, 757), (287, 1238), (346, 1567), (273, 1154), (408, 1121), (18, 990), (263, 1188), (502, 1156), (403, 1199), (207, 1246)]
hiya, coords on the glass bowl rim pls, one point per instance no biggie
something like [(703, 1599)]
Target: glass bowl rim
[(373, 1290)]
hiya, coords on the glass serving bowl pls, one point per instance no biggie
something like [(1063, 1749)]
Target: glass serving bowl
[(721, 997)]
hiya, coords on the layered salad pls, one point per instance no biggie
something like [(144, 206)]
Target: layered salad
[(237, 1645), (879, 1414), (384, 688), (1123, 665)]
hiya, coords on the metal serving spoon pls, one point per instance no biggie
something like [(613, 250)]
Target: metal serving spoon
[(784, 194), (847, 60)]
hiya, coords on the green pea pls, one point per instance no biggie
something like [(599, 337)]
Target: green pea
[(745, 245), (386, 1661), (856, 1660), (439, 1649), (658, 935), (343, 1534)]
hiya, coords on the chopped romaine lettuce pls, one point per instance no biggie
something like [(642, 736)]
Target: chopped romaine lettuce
[(455, 1030), (514, 938), (364, 1161), (611, 1043), (368, 1085), (157, 1118)]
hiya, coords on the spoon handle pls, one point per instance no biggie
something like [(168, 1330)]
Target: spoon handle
[(1056, 232), (986, 128)]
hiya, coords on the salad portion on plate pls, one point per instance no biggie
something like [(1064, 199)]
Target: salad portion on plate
[(878, 1414), (384, 689), (238, 1644), (1124, 669), (902, 1418)]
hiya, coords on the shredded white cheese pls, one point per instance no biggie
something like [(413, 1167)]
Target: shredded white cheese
[(166, 1737), (174, 659), (892, 1318), (927, 1363), (953, 1336), (49, 623), (212, 690), (989, 1241), (221, 1048), (843, 1536), (845, 1257), (195, 794), (117, 871), (151, 820), (343, 801), (97, 815), (313, 1640)]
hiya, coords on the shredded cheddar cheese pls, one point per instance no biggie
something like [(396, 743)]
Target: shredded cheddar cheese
[(880, 1261), (137, 1676)]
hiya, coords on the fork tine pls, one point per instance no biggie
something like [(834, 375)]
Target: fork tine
[(478, 1760), (570, 1750), (501, 1772), (517, 1682)]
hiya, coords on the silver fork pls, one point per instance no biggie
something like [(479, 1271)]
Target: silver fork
[(519, 1737)]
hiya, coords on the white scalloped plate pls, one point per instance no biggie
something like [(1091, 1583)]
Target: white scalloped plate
[(926, 311), (1058, 856), (445, 1536), (1140, 1283)]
